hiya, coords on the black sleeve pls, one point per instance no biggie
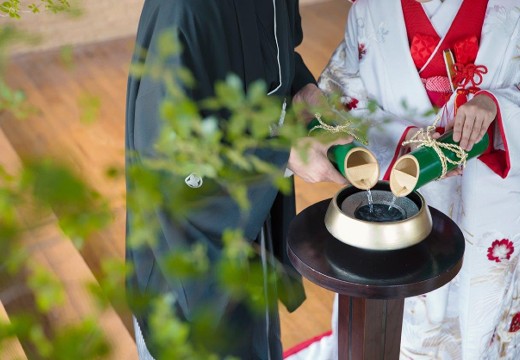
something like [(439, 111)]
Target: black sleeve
[(302, 75)]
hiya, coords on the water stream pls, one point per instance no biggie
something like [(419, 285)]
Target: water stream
[(370, 201), (378, 212), (392, 203)]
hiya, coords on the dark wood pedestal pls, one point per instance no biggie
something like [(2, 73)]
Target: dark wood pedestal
[(371, 284)]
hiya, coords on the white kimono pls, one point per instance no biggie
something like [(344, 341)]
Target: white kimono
[(477, 315)]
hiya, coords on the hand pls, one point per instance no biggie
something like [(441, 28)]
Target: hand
[(307, 97), (316, 167), (435, 135), (473, 120), (412, 132)]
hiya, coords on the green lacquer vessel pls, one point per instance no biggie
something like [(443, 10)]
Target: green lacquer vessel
[(423, 165), (355, 162)]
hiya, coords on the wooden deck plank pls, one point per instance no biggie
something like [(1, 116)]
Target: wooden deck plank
[(10, 349), (50, 249)]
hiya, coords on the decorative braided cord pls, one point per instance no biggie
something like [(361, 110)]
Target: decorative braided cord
[(423, 138), (346, 128)]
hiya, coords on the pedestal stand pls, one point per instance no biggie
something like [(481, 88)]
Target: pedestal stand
[(371, 284)]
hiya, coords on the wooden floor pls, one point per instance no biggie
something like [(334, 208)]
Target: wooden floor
[(56, 131)]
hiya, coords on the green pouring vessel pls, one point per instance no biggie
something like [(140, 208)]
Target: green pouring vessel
[(423, 165)]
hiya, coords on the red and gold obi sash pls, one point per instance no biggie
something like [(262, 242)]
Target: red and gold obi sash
[(462, 39)]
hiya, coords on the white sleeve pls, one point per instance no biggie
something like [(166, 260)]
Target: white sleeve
[(504, 155), (341, 76)]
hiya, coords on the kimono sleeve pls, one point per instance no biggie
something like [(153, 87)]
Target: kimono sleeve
[(502, 156), (302, 74), (199, 38), (342, 76)]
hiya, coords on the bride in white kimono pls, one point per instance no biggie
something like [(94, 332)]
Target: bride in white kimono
[(393, 54)]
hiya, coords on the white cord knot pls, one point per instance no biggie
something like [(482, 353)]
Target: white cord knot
[(346, 128), (423, 138)]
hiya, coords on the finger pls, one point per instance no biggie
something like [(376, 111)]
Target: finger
[(454, 172), (436, 135), (341, 141), (466, 131), (457, 125), (484, 129), (475, 132), (335, 176)]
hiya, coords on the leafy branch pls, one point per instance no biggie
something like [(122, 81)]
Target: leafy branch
[(14, 8)]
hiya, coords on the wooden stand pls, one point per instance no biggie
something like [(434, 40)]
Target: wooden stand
[(371, 284)]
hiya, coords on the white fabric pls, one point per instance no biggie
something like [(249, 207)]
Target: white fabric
[(142, 350), (441, 14), (470, 317), (431, 7), (325, 348), (322, 349)]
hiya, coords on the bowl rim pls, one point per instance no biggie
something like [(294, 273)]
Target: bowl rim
[(414, 196), (371, 235)]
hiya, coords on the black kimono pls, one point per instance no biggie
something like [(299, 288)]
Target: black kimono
[(219, 37)]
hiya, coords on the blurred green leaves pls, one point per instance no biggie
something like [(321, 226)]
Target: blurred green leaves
[(79, 209), (15, 8), (14, 101), (84, 340), (47, 289), (90, 106), (219, 139)]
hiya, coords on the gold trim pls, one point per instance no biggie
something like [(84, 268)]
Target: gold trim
[(449, 61)]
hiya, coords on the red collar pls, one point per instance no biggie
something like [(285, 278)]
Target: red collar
[(462, 37)]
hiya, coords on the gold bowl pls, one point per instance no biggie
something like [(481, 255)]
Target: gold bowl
[(392, 235)]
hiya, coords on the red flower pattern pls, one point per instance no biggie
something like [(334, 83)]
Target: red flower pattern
[(352, 104), (500, 250), (515, 323), (362, 50)]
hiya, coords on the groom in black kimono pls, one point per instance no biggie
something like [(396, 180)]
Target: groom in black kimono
[(254, 39)]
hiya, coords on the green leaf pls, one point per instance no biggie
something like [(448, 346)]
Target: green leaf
[(38, 338), (107, 287), (79, 209), (235, 245), (84, 341), (34, 8), (256, 92), (190, 263), (90, 108), (284, 184), (47, 289), (169, 44), (238, 159), (231, 92), (262, 166), (67, 56), (170, 335), (239, 193), (372, 106)]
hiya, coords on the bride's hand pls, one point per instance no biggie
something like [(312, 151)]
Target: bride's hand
[(412, 132), (473, 120)]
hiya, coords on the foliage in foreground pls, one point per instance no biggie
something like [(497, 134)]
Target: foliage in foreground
[(216, 147)]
